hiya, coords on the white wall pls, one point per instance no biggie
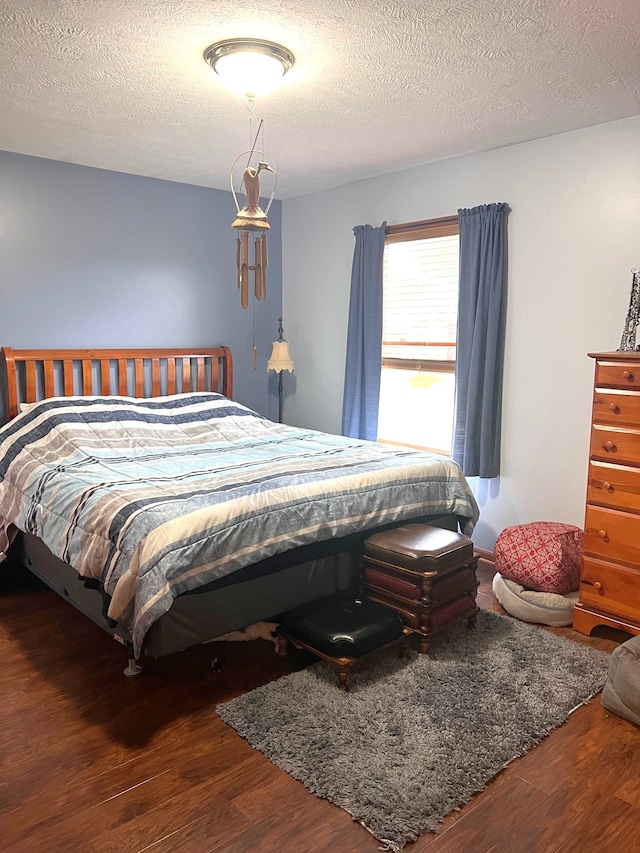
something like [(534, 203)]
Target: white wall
[(574, 234)]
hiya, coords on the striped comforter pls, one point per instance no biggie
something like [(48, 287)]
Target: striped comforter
[(157, 497)]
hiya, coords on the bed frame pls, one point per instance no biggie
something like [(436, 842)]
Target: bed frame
[(35, 374), (259, 592)]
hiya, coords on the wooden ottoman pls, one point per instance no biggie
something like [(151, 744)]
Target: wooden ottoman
[(344, 630), (427, 574)]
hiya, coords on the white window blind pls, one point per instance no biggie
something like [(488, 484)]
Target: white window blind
[(420, 314), (420, 303)]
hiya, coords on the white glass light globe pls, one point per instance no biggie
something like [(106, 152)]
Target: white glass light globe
[(250, 73)]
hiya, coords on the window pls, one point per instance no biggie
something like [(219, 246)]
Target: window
[(420, 311)]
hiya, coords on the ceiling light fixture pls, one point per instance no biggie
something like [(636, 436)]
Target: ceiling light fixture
[(249, 67)]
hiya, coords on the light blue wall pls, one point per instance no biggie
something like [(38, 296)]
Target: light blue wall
[(96, 258)]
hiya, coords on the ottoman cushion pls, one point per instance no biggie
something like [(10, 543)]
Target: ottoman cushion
[(544, 608), (621, 692), (420, 547), (542, 556), (343, 625)]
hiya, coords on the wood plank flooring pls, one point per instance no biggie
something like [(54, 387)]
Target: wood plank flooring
[(94, 762)]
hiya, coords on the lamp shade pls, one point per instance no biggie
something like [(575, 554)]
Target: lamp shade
[(280, 358)]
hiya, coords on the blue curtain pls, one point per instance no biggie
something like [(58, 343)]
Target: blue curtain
[(481, 329), (364, 336)]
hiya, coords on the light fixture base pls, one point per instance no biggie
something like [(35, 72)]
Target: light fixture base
[(270, 48), (260, 78)]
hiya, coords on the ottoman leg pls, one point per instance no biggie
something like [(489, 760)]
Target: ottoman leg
[(426, 621), (471, 621), (405, 645), (281, 646), (343, 677)]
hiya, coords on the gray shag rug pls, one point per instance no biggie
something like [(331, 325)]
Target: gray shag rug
[(413, 740)]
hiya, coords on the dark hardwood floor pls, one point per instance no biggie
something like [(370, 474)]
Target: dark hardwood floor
[(92, 761)]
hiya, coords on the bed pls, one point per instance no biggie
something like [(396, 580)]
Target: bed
[(170, 514)]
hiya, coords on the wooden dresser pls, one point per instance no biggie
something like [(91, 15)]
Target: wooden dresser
[(610, 575)]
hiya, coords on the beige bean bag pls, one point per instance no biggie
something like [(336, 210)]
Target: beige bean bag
[(621, 692)]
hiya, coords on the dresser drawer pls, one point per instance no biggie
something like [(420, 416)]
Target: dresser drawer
[(615, 445), (612, 535), (613, 589), (614, 486), (616, 407), (618, 374)]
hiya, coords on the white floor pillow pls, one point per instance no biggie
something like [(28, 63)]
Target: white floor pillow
[(545, 608)]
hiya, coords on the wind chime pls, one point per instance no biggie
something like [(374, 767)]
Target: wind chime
[(251, 67), (251, 222)]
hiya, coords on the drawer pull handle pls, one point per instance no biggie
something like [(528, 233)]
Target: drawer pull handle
[(609, 445), (628, 376), (602, 534), (597, 585), (614, 408), (607, 486)]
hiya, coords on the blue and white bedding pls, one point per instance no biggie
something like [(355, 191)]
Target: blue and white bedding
[(156, 497)]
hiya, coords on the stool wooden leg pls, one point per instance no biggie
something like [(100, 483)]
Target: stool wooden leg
[(405, 645), (281, 646), (343, 677), (471, 621), (425, 623)]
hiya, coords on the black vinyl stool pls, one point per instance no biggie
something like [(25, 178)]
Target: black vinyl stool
[(344, 630)]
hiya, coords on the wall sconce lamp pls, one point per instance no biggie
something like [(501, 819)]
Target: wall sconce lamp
[(249, 67), (279, 361)]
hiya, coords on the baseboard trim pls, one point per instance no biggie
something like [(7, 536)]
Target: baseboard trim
[(487, 557)]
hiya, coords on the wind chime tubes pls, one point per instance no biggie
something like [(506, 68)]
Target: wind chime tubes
[(252, 224), (258, 267)]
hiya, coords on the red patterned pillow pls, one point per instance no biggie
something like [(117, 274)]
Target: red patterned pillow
[(543, 555)]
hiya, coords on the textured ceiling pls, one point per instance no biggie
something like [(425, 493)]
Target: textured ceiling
[(376, 87)]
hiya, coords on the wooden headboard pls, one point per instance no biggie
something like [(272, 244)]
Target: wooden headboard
[(34, 374)]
